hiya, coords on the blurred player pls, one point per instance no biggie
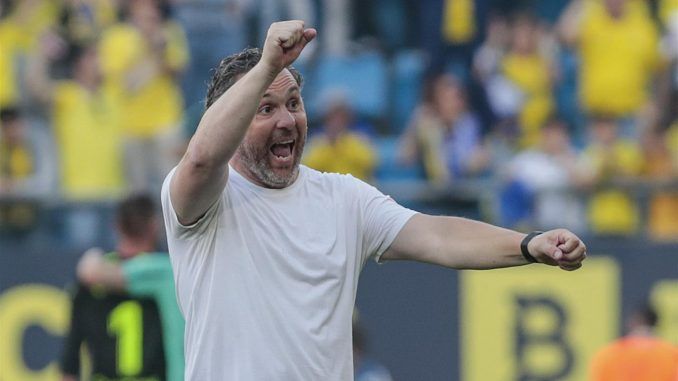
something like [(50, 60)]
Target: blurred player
[(637, 356), (267, 252), (144, 274), (123, 334)]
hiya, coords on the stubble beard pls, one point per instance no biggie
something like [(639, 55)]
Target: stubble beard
[(255, 159)]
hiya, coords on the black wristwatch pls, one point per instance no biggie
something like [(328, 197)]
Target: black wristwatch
[(523, 246)]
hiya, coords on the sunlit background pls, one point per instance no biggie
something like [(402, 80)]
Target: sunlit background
[(526, 114)]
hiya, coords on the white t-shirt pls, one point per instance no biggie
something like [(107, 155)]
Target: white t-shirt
[(267, 278)]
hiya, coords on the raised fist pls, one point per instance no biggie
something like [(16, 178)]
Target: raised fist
[(284, 42)]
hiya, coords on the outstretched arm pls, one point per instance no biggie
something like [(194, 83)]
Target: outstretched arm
[(203, 171), (466, 244), (93, 269)]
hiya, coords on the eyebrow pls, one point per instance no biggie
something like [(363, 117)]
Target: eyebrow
[(289, 91)]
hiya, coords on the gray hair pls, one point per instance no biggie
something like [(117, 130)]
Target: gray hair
[(232, 68)]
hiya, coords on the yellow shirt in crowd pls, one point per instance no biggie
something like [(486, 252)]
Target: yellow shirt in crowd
[(10, 40), (349, 154), (531, 73), (87, 131), (618, 58), (156, 106), (613, 211)]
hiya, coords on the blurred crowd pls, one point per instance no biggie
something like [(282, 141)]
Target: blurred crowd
[(566, 111)]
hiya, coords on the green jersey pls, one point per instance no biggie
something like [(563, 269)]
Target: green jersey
[(121, 333), (150, 275)]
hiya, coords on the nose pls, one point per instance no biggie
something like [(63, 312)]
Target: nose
[(285, 119)]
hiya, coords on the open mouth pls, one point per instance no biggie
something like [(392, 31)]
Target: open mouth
[(283, 150)]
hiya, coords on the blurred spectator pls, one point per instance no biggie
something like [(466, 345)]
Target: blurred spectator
[(339, 149), (548, 173), (618, 46), (142, 59), (488, 57), (86, 122), (82, 21), (660, 169), (444, 134), (364, 367), (637, 356), (34, 18), (607, 159), (25, 171), (530, 71), (85, 118)]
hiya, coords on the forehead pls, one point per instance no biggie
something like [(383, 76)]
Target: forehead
[(282, 84)]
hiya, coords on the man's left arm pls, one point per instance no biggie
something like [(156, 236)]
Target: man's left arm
[(466, 244)]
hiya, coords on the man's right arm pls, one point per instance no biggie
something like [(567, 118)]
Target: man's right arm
[(203, 171)]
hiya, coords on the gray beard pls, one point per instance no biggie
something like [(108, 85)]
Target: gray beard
[(256, 161)]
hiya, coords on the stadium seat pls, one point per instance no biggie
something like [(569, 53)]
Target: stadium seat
[(389, 169), (362, 77)]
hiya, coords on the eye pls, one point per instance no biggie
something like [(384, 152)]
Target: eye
[(265, 109), (293, 104)]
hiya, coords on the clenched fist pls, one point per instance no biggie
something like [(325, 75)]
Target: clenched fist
[(284, 42), (558, 247)]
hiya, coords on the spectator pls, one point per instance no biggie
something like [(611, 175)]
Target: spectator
[(637, 356), (82, 21), (86, 122), (607, 160), (531, 72), (618, 46), (444, 134), (488, 57), (25, 161), (142, 59), (339, 149), (548, 172), (25, 171), (85, 117)]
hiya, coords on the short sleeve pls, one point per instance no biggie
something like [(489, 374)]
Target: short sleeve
[(383, 218), (148, 274), (173, 226)]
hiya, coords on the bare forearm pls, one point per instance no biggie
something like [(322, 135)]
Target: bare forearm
[(458, 243), (468, 244)]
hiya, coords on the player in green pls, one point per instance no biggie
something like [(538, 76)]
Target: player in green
[(146, 274), (121, 332)]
